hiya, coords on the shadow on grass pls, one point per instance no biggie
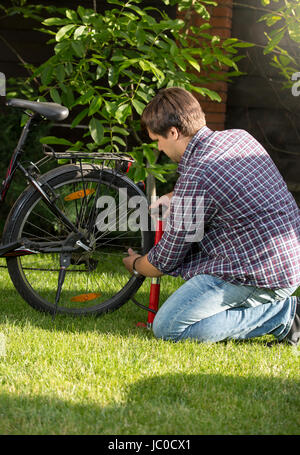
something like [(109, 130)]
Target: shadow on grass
[(177, 403)]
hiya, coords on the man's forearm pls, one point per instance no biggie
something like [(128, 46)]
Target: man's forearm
[(144, 267)]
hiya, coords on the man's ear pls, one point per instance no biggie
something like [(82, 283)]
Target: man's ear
[(173, 133)]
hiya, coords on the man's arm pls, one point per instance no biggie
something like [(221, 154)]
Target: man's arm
[(142, 265), (192, 208), (183, 228)]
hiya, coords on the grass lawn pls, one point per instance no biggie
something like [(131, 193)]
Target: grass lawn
[(106, 376)]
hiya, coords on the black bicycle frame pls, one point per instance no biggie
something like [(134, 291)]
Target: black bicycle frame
[(14, 161), (23, 246)]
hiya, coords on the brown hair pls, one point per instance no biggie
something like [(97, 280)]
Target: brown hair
[(173, 106)]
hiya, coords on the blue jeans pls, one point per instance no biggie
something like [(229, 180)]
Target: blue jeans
[(207, 308)]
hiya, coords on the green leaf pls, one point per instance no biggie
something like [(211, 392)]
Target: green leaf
[(139, 173), (71, 15), (243, 44), (62, 47), (79, 117), (118, 129), (123, 111), (206, 92), (67, 96), (79, 31), (139, 107), (193, 62), (54, 21), (285, 60), (60, 72), (128, 62), (173, 49), (294, 30), (147, 65), (274, 40), (112, 76), (55, 96), (156, 174), (118, 140), (208, 59), (66, 30), (86, 97), (115, 2), (140, 36), (180, 63), (78, 48), (101, 70), (47, 74), (88, 16), (150, 155), (226, 61), (202, 11), (272, 19), (137, 155), (137, 10), (68, 68), (95, 105), (110, 107), (54, 140), (96, 130), (81, 11), (145, 96)]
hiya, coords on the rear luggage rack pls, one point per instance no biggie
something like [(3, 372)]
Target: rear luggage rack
[(71, 155)]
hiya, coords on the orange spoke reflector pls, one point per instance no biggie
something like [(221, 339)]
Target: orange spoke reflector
[(85, 297), (78, 194)]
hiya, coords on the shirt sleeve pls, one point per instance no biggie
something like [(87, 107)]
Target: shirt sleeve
[(192, 209)]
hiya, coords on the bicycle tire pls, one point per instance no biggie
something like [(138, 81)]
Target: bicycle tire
[(35, 276)]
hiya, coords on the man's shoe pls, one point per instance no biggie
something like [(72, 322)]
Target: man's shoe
[(293, 336)]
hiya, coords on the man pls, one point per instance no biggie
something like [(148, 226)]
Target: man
[(242, 270)]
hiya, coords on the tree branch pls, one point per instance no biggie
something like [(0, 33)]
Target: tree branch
[(19, 57)]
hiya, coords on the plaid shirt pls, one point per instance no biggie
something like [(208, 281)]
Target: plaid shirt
[(251, 223)]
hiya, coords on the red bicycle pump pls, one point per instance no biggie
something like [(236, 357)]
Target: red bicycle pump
[(155, 282)]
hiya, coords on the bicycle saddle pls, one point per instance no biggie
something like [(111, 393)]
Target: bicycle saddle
[(52, 111)]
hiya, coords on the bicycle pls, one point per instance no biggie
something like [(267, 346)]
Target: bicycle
[(57, 258)]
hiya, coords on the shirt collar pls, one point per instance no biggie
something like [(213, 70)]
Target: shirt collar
[(201, 134)]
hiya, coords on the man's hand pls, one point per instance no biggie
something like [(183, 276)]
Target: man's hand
[(143, 265), (128, 261)]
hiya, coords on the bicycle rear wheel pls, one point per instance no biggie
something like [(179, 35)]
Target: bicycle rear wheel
[(96, 281)]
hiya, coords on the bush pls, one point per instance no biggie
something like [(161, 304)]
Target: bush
[(106, 68)]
